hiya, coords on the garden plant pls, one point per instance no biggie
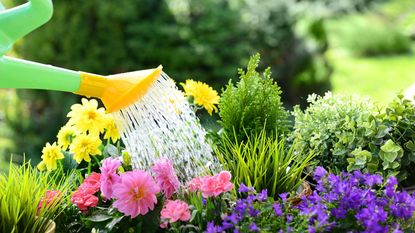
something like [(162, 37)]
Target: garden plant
[(340, 165)]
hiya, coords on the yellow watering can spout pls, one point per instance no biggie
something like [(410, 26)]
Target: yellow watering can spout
[(116, 91), (120, 90)]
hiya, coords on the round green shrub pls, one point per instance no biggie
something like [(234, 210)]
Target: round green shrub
[(332, 126)]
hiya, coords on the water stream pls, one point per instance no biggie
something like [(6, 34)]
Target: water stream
[(162, 124)]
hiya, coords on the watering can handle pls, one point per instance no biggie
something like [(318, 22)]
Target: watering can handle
[(21, 20)]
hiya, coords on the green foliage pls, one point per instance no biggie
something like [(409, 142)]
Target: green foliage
[(29, 118), (394, 143), (348, 133), (108, 219), (253, 104), (332, 127), (264, 162), (402, 14), (203, 211), (388, 142), (201, 39), (21, 191), (371, 36)]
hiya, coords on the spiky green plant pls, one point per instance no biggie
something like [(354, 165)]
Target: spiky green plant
[(21, 191), (264, 162), (252, 104)]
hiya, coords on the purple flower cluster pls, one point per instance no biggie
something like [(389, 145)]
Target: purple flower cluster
[(348, 202), (243, 208), (358, 201)]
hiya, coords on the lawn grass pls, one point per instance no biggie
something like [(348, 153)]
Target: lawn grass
[(378, 77)]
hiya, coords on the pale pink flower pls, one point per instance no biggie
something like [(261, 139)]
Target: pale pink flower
[(92, 181), (109, 176), (166, 177), (174, 211), (224, 181), (163, 225), (213, 186), (135, 194), (84, 196), (195, 184)]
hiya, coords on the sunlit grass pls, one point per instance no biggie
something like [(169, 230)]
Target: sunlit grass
[(378, 77)]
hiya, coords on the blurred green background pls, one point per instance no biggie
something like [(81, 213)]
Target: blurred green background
[(349, 46)]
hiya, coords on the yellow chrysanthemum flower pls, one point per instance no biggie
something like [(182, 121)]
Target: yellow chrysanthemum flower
[(111, 130), (189, 87), (65, 136), (87, 117), (41, 166), (50, 154), (85, 145), (203, 95)]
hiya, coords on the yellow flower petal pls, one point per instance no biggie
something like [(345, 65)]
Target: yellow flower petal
[(85, 145), (50, 154), (111, 130), (203, 95), (65, 136), (87, 117), (41, 166)]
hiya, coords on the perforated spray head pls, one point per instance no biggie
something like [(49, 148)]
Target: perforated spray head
[(120, 90)]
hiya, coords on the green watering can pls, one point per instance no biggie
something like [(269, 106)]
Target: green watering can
[(116, 91)]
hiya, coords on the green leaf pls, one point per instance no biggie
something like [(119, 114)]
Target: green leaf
[(111, 151), (410, 146), (99, 217), (390, 146), (372, 167), (382, 131), (389, 156), (114, 222)]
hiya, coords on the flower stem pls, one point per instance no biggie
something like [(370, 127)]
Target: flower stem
[(89, 167)]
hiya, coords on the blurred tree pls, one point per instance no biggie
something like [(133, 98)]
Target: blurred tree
[(205, 40)]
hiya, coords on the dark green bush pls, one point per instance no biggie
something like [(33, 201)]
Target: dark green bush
[(253, 104)]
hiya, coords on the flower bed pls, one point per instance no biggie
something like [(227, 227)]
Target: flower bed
[(351, 158)]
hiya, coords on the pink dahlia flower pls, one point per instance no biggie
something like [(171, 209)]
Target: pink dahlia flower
[(175, 210), (166, 177), (109, 176), (195, 184), (92, 181), (135, 194), (213, 186), (84, 196)]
